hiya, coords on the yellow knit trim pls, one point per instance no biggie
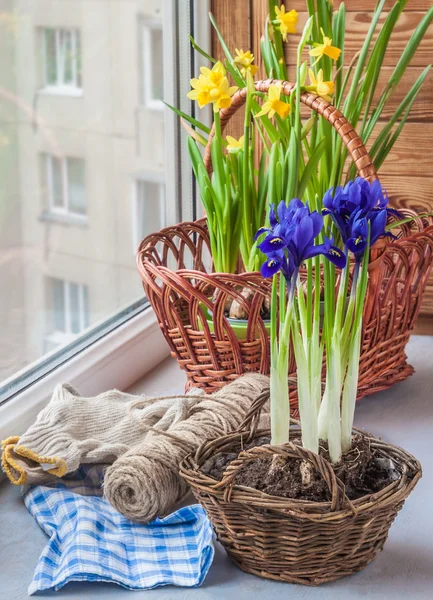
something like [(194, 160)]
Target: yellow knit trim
[(10, 465), (13, 439), (60, 468)]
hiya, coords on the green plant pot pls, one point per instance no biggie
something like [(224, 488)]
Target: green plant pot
[(239, 326)]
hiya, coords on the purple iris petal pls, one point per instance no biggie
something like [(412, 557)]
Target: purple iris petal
[(261, 231), (271, 266), (272, 243)]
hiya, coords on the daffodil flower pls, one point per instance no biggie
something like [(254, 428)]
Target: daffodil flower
[(221, 96), (286, 21), (201, 91), (214, 75), (325, 49), (273, 104), (212, 86), (245, 60), (234, 145), (325, 89)]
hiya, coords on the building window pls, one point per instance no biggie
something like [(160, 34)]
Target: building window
[(149, 209), (65, 178), (62, 59), (68, 313), (152, 65)]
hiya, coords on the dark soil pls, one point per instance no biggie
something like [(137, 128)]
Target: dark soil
[(361, 470)]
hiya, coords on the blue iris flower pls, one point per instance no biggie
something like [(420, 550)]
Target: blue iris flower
[(353, 207), (290, 240)]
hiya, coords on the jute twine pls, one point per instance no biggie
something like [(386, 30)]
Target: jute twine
[(144, 483)]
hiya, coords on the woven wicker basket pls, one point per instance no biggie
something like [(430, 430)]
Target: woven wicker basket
[(294, 540), (178, 279)]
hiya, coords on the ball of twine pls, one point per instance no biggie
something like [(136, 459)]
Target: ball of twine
[(144, 483)]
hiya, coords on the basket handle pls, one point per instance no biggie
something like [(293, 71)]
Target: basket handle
[(351, 139)]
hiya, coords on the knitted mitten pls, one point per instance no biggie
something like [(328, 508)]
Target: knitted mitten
[(73, 430)]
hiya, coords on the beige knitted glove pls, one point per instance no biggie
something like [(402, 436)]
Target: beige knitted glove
[(73, 430)]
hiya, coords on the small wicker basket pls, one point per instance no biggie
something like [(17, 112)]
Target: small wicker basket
[(180, 283), (296, 541)]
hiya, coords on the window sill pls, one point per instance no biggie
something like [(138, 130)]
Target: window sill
[(53, 90), (117, 360), (64, 218)]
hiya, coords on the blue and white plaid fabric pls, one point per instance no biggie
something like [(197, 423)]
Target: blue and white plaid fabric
[(90, 541)]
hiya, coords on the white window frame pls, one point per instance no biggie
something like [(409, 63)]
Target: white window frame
[(114, 354), (146, 28), (60, 87), (65, 208), (147, 177), (60, 336)]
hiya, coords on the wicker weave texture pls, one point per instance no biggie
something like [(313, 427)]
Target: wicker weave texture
[(176, 270), (293, 540)]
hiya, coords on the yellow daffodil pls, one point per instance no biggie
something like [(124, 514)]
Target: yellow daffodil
[(325, 49), (201, 91), (214, 75), (221, 96), (286, 21), (245, 60), (325, 89), (273, 104), (234, 145), (212, 86)]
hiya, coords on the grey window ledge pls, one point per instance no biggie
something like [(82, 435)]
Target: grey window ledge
[(64, 219)]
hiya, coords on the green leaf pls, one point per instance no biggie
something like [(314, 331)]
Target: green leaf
[(189, 118), (311, 167), (201, 51)]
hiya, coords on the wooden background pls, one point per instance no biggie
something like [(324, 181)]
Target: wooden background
[(408, 171)]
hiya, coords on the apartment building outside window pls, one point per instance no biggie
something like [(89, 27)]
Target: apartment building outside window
[(149, 208), (68, 313), (152, 64), (69, 220), (65, 182), (62, 59)]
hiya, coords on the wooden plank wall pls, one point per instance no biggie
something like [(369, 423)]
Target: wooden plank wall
[(408, 170)]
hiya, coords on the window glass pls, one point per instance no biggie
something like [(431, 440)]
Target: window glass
[(50, 57), (76, 186), (57, 290), (156, 63), (150, 208), (68, 157)]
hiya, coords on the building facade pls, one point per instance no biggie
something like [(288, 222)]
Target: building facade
[(82, 165)]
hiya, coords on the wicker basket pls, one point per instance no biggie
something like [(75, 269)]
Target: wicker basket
[(293, 540), (178, 279)]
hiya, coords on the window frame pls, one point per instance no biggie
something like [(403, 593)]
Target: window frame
[(110, 354), (146, 65), (147, 177), (65, 209), (60, 87)]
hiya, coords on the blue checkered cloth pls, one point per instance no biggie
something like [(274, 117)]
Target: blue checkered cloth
[(90, 541)]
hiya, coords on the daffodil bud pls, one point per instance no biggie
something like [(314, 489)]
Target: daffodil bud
[(303, 73)]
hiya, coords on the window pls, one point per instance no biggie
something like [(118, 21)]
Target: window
[(68, 313), (62, 59), (149, 208), (106, 162), (152, 84), (65, 185)]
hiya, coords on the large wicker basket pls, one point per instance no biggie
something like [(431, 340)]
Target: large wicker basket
[(297, 541), (179, 281)]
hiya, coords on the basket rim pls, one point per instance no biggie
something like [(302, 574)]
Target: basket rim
[(424, 224), (392, 494)]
